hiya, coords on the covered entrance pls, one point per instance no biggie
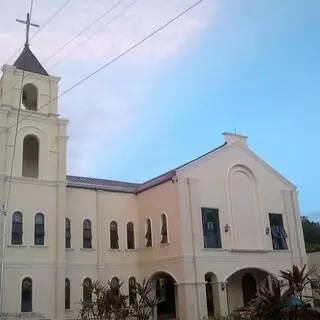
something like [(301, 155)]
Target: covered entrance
[(166, 293), (243, 285)]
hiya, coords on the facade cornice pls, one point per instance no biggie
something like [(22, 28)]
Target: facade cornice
[(34, 181)]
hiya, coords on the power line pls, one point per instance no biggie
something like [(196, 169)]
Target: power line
[(94, 33), (110, 61), (83, 30), (104, 14), (45, 24)]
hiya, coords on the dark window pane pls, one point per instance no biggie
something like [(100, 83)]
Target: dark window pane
[(68, 233), (114, 239), (211, 228), (278, 232), (87, 234), (16, 232), (164, 230), (26, 295), (39, 231), (130, 235), (67, 294)]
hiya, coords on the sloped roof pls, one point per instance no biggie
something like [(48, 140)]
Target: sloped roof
[(127, 187), (101, 184), (27, 61)]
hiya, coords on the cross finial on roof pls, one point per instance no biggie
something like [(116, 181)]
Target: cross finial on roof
[(28, 24)]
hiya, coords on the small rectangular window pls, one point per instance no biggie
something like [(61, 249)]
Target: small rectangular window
[(211, 228), (278, 233)]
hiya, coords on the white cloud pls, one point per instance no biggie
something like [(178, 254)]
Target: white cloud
[(101, 113)]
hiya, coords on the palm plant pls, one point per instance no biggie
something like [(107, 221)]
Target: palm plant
[(273, 304), (109, 303)]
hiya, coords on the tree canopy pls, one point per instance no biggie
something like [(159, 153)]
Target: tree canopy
[(311, 231)]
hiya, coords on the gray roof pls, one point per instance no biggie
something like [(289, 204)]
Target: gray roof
[(127, 187), (27, 61)]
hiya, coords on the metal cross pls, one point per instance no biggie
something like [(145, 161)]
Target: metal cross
[(28, 23)]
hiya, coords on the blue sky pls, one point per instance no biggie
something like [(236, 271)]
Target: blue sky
[(250, 65)]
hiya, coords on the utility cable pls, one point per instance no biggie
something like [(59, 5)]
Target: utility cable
[(94, 33), (61, 48), (110, 61), (45, 24), (83, 30)]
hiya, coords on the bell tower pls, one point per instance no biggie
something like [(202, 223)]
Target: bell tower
[(33, 140), (29, 93)]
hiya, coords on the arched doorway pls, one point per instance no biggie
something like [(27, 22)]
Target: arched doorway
[(211, 294), (165, 290), (26, 295), (243, 285), (249, 287)]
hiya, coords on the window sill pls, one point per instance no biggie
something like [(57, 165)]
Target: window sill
[(69, 249), (213, 249), (251, 250), (131, 250), (115, 250), (39, 246), (16, 246), (151, 247), (87, 249), (164, 244)]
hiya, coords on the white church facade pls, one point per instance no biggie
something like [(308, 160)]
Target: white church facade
[(209, 233)]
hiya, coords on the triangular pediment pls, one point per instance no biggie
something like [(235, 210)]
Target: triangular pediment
[(27, 61)]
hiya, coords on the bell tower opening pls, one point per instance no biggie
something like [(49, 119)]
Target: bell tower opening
[(30, 159), (30, 97)]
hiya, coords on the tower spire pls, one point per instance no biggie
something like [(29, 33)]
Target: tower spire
[(28, 23)]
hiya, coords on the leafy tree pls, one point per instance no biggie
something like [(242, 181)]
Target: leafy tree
[(311, 231)]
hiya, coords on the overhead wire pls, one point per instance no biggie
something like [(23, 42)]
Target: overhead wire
[(83, 31), (42, 27), (94, 33), (110, 62)]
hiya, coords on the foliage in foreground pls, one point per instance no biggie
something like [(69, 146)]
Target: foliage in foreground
[(283, 302), (108, 302)]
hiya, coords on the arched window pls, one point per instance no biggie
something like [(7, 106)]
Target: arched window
[(87, 234), (164, 229), (249, 287), (26, 295), (115, 285), (67, 292), (30, 97), (130, 235), (87, 290), (39, 229), (114, 238), (132, 291), (17, 227), (148, 233), (30, 157), (68, 233)]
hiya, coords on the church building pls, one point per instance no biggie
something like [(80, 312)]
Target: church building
[(208, 233)]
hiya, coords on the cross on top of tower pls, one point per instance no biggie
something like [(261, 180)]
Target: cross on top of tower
[(28, 23)]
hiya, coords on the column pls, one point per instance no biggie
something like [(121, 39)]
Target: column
[(61, 208), (223, 299), (191, 301)]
